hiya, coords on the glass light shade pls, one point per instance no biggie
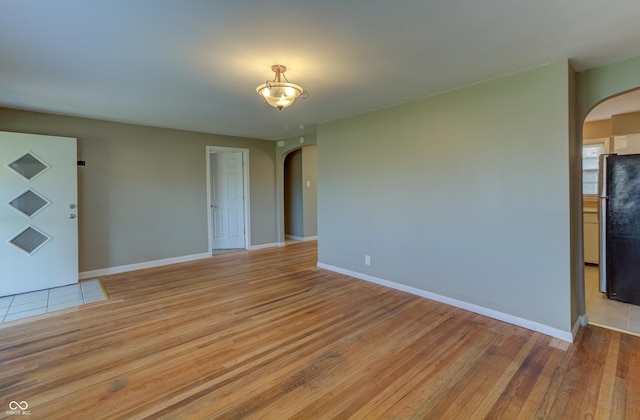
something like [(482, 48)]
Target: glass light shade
[(279, 94)]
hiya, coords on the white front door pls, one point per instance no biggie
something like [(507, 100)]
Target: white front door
[(227, 200), (38, 217)]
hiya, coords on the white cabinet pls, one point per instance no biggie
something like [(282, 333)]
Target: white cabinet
[(626, 145), (591, 237)]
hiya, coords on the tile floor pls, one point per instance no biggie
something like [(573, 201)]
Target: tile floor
[(43, 301), (606, 312)]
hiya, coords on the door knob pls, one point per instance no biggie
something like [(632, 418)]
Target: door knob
[(72, 216)]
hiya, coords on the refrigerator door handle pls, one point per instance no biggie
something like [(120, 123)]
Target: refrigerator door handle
[(602, 221), (602, 258)]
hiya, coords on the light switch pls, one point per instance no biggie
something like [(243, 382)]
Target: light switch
[(308, 184)]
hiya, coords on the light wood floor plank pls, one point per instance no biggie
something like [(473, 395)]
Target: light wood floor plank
[(266, 334)]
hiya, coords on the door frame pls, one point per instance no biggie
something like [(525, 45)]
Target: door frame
[(245, 191)]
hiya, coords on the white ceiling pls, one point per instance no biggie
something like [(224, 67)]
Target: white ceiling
[(194, 64)]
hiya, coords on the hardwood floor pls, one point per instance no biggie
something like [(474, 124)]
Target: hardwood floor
[(266, 334)]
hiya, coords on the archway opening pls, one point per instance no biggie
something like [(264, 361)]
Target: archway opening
[(611, 127), (300, 194)]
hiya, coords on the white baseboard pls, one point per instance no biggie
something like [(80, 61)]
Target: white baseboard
[(139, 266), (158, 263), (262, 246), (301, 238), (583, 320), (500, 316)]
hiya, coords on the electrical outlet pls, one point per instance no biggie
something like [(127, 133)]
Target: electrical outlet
[(367, 260)]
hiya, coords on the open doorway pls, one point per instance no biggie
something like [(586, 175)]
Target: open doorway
[(613, 126), (228, 199), (300, 195)]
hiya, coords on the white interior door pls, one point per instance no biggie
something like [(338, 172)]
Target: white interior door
[(38, 224), (227, 200)]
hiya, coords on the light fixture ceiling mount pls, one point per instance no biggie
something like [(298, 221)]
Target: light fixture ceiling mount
[(279, 92)]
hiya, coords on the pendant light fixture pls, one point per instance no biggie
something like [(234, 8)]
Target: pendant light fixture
[(279, 92)]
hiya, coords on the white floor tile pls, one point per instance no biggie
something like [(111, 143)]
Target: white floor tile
[(607, 312), (92, 286), (30, 297), (634, 326), (93, 295), (65, 290), (613, 308), (634, 313), (43, 301), (87, 283), (27, 307), (91, 299), (25, 314), (599, 309), (92, 290), (75, 297)]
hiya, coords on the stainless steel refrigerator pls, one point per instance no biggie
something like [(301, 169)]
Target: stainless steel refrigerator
[(619, 212)]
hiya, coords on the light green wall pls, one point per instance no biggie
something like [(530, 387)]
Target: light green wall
[(600, 83), (310, 190), (142, 194), (464, 194), (577, 305)]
